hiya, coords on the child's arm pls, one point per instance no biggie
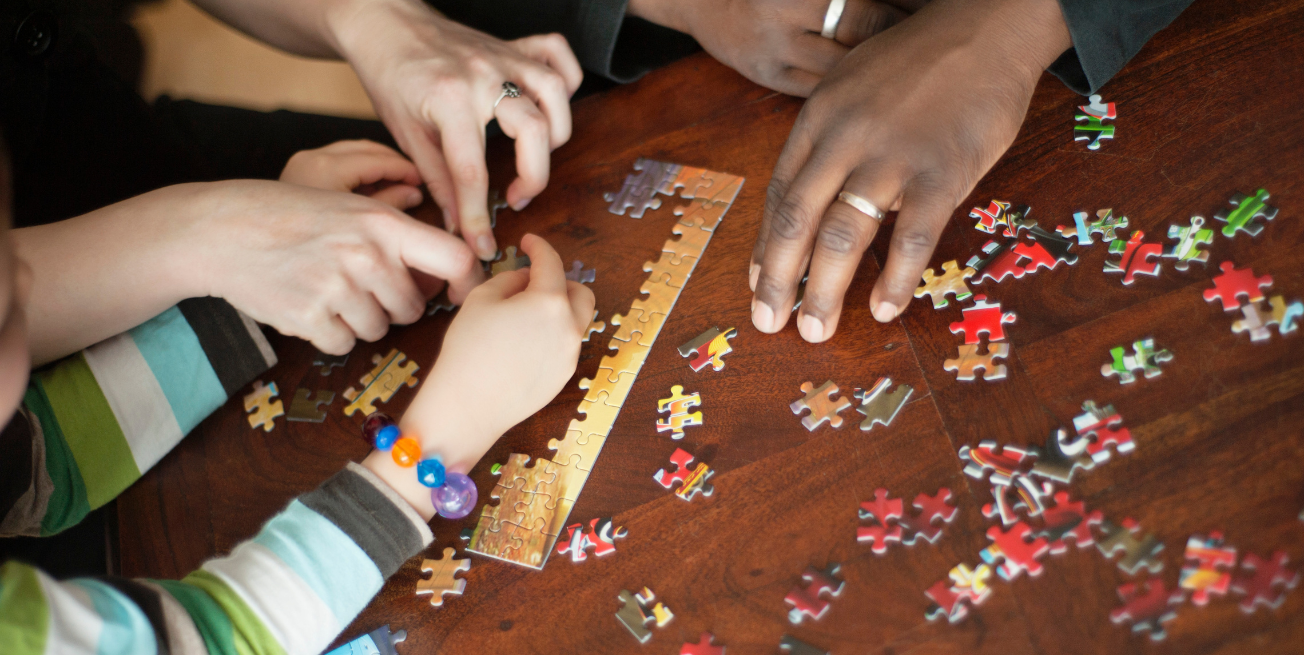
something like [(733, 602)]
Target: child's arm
[(315, 565), (328, 267)]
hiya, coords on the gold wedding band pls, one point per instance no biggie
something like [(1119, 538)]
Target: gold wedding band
[(862, 204)]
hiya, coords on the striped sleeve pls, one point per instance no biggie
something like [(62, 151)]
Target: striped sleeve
[(94, 422), (290, 590)]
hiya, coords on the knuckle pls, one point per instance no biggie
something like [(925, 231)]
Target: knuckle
[(873, 21), (789, 219), (839, 236), (471, 174), (914, 242), (771, 288)]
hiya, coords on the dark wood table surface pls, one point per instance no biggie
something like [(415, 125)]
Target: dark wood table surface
[(1211, 106)]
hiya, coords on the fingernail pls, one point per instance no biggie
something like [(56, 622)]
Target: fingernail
[(414, 198), (762, 316), (811, 328), (754, 275), (518, 206), (885, 312), (486, 247)]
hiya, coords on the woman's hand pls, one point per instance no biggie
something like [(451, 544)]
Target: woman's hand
[(910, 120), (350, 165)]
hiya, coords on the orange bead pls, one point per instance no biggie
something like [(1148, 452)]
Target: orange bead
[(406, 452)]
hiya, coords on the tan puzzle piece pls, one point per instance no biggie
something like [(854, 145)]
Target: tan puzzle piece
[(627, 358), (646, 330), (443, 581), (688, 178), (659, 299), (700, 214), (386, 378), (264, 410), (822, 407), (604, 391), (969, 361), (953, 280), (719, 187), (674, 275)]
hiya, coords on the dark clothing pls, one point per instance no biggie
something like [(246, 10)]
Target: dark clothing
[(1106, 34)]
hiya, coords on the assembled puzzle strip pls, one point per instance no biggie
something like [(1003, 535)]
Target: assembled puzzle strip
[(535, 500)]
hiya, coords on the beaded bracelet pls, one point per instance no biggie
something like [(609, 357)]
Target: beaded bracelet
[(453, 494)]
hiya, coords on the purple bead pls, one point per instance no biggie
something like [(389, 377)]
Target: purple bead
[(431, 473), (375, 422), (387, 437), (456, 498)]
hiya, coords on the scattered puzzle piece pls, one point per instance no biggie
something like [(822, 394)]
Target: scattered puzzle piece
[(1255, 318), (1261, 586), (708, 348), (1001, 214), (884, 529), (1205, 556), (983, 317), (1235, 282), (1060, 457), (809, 600), (509, 260), (440, 303), (1031, 499), (1066, 520), (925, 524), (879, 405), (997, 262), (495, 203), (1003, 464), (1099, 425), (1145, 357), (327, 362), (973, 581), (952, 281), (1089, 122), (1105, 225), (704, 647), (679, 408), (821, 405), (1019, 550), (1147, 607), (443, 581), (578, 275), (1245, 210), (693, 480), (638, 191), (635, 617), (966, 585), (599, 535), (305, 408), (1046, 250), (970, 360), (1135, 256), (1138, 553), (793, 646), (264, 408), (380, 384), (1190, 239)]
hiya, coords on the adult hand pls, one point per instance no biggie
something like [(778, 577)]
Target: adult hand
[(435, 84), (350, 165), (910, 120), (325, 266), (775, 43)]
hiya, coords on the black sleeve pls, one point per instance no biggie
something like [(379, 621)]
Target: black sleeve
[(1106, 34), (607, 41)]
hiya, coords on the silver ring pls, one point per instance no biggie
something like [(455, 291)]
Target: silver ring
[(830, 20), (869, 209), (511, 90)]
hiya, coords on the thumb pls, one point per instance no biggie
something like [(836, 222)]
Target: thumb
[(435, 252)]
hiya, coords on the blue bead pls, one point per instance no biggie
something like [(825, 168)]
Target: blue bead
[(386, 438), (431, 472)]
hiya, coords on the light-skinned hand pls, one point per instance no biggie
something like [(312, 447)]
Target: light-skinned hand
[(349, 165)]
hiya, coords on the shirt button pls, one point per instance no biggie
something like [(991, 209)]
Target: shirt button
[(35, 34)]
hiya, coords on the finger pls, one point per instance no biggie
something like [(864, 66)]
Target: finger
[(360, 311), (547, 267), (839, 244), (794, 154), (429, 250), (370, 168), (424, 149), (506, 284), (400, 196), (865, 18), (815, 54), (796, 82), (333, 337), (924, 212), (522, 122), (553, 50), (392, 286), (792, 227), (463, 142), (583, 303)]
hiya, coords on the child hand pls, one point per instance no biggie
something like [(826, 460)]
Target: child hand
[(511, 348), (349, 165)]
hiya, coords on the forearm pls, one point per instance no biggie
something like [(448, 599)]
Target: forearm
[(106, 272), (310, 28)]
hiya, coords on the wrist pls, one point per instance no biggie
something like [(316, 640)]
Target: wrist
[(1037, 33), (666, 13)]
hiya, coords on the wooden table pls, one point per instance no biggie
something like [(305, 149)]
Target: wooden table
[(1212, 106)]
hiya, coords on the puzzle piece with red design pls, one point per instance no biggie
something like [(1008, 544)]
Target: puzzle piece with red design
[(1138, 553), (1147, 609), (708, 348), (1261, 586), (968, 588), (822, 406), (983, 317), (1135, 255), (678, 407), (1100, 426), (1000, 214), (809, 600), (1202, 575), (1015, 551), (884, 529), (693, 480), (704, 647), (599, 535), (1235, 282), (997, 262), (1003, 464), (925, 524), (1031, 499), (1066, 520), (1046, 250)]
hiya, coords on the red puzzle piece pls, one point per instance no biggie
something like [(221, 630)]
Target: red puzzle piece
[(1065, 520), (1261, 587), (1234, 282), (1135, 253), (949, 601), (1202, 575), (1003, 464), (983, 317), (807, 601), (884, 529), (1013, 546), (1038, 257), (1096, 423), (930, 508), (680, 457), (702, 648), (600, 540), (1148, 610), (1008, 262)]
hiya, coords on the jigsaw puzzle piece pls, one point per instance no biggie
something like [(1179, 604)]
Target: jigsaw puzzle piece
[(327, 362), (809, 600), (576, 274), (635, 616), (1105, 224), (1089, 122), (822, 406), (708, 348), (1135, 257), (1003, 463), (1060, 457), (1232, 283), (1190, 239), (261, 406), (666, 271), (1245, 210), (1266, 576), (443, 581), (983, 317), (305, 408), (1255, 318), (638, 191), (703, 647), (925, 524), (1145, 358), (1066, 520), (1203, 575), (879, 405), (1015, 551), (884, 529), (1147, 606), (953, 281), (687, 178), (718, 187), (509, 260), (1138, 553), (1001, 262), (970, 360)]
